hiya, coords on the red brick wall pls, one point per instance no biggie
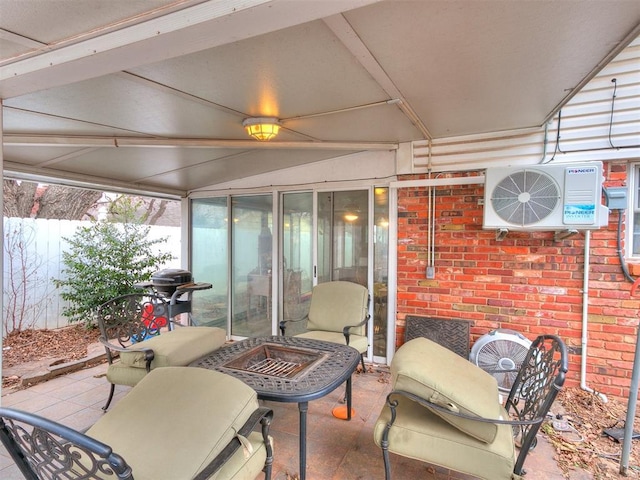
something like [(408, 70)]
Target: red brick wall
[(527, 282)]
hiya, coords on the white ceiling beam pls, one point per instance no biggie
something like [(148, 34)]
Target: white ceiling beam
[(87, 142), (44, 175), (350, 39), (199, 27)]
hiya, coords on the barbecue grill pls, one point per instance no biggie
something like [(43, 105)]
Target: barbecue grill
[(177, 286), (167, 281)]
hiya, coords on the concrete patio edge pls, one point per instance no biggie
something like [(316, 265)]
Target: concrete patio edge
[(32, 373)]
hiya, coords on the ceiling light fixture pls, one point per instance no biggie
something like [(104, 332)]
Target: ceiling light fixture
[(262, 128)]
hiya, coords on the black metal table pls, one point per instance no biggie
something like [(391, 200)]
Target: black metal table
[(288, 369)]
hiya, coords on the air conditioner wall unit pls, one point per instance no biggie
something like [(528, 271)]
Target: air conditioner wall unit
[(545, 197)]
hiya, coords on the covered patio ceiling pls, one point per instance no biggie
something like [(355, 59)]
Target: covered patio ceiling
[(150, 95)]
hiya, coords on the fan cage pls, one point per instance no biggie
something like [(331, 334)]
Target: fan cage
[(500, 353), (525, 197)]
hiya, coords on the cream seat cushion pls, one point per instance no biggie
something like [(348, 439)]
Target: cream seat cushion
[(206, 408), (437, 374), (419, 434), (358, 342)]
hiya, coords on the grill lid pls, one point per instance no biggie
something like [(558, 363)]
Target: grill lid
[(171, 277)]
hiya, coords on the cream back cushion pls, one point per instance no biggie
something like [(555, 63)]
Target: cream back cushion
[(335, 305), (435, 373)]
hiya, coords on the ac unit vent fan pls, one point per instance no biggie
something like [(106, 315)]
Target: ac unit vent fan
[(525, 197), (500, 353)]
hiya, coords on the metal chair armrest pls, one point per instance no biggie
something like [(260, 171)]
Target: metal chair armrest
[(283, 323), (347, 333), (426, 403), (149, 355), (345, 330), (262, 415), (57, 445), (172, 323)]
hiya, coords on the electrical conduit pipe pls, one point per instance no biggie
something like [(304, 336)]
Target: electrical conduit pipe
[(585, 318)]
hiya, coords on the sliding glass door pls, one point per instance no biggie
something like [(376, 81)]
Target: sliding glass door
[(251, 265), (263, 268), (210, 260), (343, 246), (379, 293)]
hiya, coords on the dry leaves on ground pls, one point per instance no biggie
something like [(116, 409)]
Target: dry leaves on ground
[(584, 444), (65, 344)]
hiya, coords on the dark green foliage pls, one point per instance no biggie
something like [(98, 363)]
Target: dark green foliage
[(104, 261)]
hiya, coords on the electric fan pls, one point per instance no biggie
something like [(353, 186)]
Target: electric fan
[(500, 353)]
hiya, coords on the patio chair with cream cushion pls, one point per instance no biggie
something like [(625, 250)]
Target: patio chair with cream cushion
[(176, 424), (445, 411), (338, 313), (138, 336)]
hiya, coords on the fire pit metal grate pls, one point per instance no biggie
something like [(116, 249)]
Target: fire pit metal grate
[(278, 361), (276, 367)]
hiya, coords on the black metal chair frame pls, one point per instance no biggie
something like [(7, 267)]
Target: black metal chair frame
[(538, 381), (130, 319), (44, 449)]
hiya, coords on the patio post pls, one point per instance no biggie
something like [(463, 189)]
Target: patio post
[(633, 399)]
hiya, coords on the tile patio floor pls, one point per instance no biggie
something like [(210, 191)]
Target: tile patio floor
[(336, 449)]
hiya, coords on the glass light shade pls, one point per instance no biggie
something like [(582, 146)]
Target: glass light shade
[(262, 128)]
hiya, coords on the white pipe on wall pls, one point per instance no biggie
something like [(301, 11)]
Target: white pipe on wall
[(446, 181), (585, 318)]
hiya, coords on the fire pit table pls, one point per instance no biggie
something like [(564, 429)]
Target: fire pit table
[(287, 369)]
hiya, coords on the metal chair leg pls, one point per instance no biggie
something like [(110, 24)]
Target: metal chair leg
[(385, 457), (106, 405)]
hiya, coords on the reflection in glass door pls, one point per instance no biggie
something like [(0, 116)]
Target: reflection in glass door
[(210, 260), (343, 249), (251, 252), (297, 258), (380, 271), (343, 246)]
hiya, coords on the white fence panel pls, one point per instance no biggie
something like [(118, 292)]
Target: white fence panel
[(33, 258)]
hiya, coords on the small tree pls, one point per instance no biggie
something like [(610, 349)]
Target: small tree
[(103, 262), (26, 292)]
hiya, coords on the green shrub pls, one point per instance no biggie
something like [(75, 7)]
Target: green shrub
[(104, 261)]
